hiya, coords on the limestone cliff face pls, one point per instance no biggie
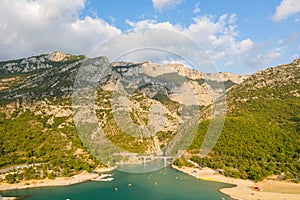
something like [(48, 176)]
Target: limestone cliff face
[(51, 75), (166, 89), (198, 88), (226, 76), (57, 56), (160, 69)]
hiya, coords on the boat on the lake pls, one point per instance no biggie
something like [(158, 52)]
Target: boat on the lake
[(104, 177)]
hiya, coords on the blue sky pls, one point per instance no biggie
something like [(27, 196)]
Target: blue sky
[(254, 17), (240, 36)]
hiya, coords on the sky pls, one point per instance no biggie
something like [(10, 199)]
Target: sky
[(239, 36)]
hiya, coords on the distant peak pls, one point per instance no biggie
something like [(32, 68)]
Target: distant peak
[(296, 61), (57, 56)]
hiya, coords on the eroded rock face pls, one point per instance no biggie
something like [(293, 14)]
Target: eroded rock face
[(226, 76), (57, 56)]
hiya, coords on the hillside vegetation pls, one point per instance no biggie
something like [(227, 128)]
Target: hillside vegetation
[(36, 127), (261, 135)]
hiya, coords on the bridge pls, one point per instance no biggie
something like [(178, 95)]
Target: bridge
[(136, 158), (165, 158)]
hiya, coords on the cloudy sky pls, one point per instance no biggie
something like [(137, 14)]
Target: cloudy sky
[(238, 35)]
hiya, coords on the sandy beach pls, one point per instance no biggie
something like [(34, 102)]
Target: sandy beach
[(59, 181), (270, 189), (9, 198)]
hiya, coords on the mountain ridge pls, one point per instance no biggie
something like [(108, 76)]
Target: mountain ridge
[(261, 135), (39, 90)]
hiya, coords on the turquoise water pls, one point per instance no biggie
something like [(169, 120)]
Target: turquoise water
[(163, 184)]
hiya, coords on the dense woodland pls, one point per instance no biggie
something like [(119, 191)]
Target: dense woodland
[(261, 136), (27, 138)]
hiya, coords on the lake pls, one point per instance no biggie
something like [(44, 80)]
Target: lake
[(166, 183)]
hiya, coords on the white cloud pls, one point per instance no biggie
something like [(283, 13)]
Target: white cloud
[(197, 8), (265, 60), (245, 45), (156, 44), (153, 24), (42, 26), (229, 63), (290, 41), (217, 36), (281, 41), (232, 19), (285, 9), (262, 55), (161, 5), (33, 27)]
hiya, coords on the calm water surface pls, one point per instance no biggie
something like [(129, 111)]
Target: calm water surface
[(163, 184)]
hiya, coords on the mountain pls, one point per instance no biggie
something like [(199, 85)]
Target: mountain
[(261, 135), (53, 75), (37, 116)]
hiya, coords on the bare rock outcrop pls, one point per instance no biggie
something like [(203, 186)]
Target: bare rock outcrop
[(57, 56)]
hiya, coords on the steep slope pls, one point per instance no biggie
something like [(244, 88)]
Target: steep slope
[(36, 121), (261, 136), (38, 77), (158, 85)]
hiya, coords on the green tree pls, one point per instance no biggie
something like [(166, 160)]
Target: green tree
[(10, 178)]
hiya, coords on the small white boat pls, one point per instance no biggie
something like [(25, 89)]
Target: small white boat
[(104, 177)]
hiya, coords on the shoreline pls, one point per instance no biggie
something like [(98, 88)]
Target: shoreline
[(242, 188), (57, 182)]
